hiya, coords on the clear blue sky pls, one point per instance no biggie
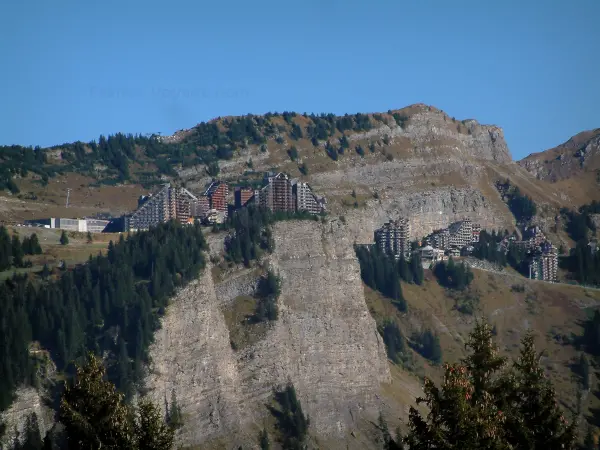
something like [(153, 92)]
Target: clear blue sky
[(72, 70)]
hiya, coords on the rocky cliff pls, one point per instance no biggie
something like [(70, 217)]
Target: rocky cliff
[(324, 342)]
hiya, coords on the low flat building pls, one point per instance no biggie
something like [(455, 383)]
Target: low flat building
[(69, 224)]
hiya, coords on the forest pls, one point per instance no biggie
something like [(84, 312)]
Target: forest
[(110, 158), (109, 305), (584, 260), (383, 273), (12, 250)]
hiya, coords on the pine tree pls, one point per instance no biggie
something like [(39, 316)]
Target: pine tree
[(17, 251), (151, 431), (64, 239), (482, 405), (93, 412), (584, 371), (263, 439), (175, 419), (89, 238), (32, 439)]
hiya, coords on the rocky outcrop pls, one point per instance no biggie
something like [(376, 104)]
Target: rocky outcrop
[(579, 154), (325, 342), (27, 401)]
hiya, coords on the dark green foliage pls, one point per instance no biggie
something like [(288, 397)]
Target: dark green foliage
[(291, 420), (401, 119), (32, 439), (263, 440), (453, 276), (174, 418), (126, 290), (583, 369), (428, 345), (360, 150), (394, 341), (296, 132), (583, 263), (293, 153), (487, 247), (303, 168), (64, 239), (416, 270), (95, 415), (372, 147), (331, 151), (213, 169), (483, 405), (89, 238), (591, 334), (269, 289), (522, 206), (380, 272), (344, 142)]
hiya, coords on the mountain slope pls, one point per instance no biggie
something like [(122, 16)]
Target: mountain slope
[(573, 166)]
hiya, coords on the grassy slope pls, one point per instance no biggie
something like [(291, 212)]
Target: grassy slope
[(550, 310)]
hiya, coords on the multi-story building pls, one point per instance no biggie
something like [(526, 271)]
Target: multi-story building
[(544, 265), (201, 207), (461, 233), (457, 235), (393, 238), (217, 194), (242, 196), (305, 199), (277, 194), (168, 203), (441, 239)]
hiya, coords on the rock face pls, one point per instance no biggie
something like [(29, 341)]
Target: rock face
[(579, 154), (27, 402), (325, 342)]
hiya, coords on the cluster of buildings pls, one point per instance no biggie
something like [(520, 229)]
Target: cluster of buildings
[(542, 255), (393, 238), (279, 193)]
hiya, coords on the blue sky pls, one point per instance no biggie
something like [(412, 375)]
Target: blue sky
[(72, 70)]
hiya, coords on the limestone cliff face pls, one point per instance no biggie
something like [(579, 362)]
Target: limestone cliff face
[(324, 342), (27, 401)]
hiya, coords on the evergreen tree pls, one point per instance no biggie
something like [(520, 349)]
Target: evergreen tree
[(292, 422), (93, 411), (174, 417), (32, 439), (481, 405), (584, 371), (150, 430), (89, 238), (17, 251), (64, 239), (386, 437), (263, 440)]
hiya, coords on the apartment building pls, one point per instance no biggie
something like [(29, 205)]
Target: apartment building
[(393, 238), (461, 233), (217, 194), (201, 207), (441, 239), (168, 203), (305, 199), (277, 194), (242, 196), (544, 265)]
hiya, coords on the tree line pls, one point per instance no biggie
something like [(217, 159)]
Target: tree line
[(110, 305), (452, 275), (13, 250), (383, 272)]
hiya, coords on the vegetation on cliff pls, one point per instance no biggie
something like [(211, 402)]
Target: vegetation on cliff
[(484, 404), (111, 306)]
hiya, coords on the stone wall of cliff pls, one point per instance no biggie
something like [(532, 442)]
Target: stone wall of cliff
[(324, 342)]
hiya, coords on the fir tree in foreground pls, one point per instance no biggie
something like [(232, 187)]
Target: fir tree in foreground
[(483, 404), (95, 415)]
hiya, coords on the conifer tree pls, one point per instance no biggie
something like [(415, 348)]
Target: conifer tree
[(263, 439), (174, 417), (151, 431), (482, 405), (64, 239), (32, 439), (93, 411)]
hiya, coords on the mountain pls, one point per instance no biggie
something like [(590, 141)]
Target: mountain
[(573, 166), (329, 339)]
